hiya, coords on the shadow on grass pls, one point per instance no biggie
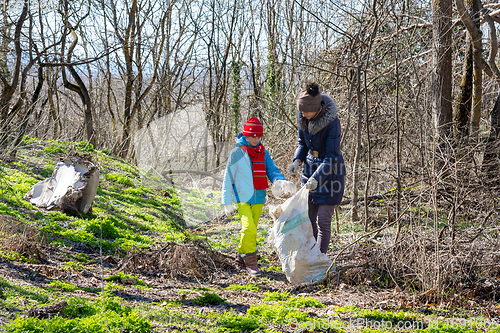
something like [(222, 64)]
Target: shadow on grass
[(26, 275)]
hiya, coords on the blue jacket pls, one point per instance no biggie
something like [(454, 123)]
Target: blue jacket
[(321, 136), (238, 178)]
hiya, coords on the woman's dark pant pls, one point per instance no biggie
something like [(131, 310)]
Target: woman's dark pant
[(321, 216)]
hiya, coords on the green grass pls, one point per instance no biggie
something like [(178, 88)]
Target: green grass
[(103, 228), (199, 205), (86, 316), (120, 178), (15, 184), (276, 314), (120, 276), (272, 268), (247, 287), (21, 297), (131, 213), (74, 266), (119, 214), (304, 302), (29, 141), (62, 286), (171, 304), (208, 299), (377, 314), (233, 322), (14, 256), (117, 200), (125, 215), (220, 245), (168, 316), (273, 296), (111, 286)]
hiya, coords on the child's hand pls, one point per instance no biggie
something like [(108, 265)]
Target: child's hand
[(281, 187), (289, 187), (228, 209)]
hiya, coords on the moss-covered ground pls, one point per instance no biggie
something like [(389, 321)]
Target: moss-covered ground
[(78, 262)]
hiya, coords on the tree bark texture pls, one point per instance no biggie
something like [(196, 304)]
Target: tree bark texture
[(442, 71), (28, 113), (464, 98), (471, 22), (491, 161), (478, 71), (357, 153), (128, 46), (80, 87), (9, 89)]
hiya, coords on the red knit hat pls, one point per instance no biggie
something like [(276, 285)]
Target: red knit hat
[(253, 127)]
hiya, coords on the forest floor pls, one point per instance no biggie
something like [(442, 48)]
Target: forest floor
[(148, 278)]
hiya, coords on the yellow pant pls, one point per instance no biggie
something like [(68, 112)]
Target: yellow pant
[(249, 215)]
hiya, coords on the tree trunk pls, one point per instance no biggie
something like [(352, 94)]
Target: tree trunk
[(398, 141), (128, 48), (10, 88), (29, 112), (471, 22), (236, 104), (442, 77), (355, 176), (464, 98), (491, 163), (80, 89), (369, 151), (478, 71), (51, 87)]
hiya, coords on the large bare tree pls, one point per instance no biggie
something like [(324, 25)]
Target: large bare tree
[(442, 78), (10, 77), (140, 51)]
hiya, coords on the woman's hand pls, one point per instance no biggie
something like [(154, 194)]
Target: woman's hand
[(294, 167), (311, 184)]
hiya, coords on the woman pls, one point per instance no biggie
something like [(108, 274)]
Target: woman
[(319, 149)]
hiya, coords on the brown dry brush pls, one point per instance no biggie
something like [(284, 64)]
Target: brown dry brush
[(457, 253), (192, 259), (20, 237), (411, 263)]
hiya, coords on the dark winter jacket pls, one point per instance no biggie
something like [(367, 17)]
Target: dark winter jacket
[(321, 137)]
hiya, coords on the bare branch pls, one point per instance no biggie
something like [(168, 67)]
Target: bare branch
[(17, 44), (467, 20), (493, 42)]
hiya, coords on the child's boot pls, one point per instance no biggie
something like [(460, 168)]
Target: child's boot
[(239, 263), (250, 260)]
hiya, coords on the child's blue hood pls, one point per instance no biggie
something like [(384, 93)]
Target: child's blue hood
[(241, 140)]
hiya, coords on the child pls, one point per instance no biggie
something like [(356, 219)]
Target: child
[(245, 183)]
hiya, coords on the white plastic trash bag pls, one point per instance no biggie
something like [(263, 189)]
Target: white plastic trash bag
[(293, 240), (73, 186)]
